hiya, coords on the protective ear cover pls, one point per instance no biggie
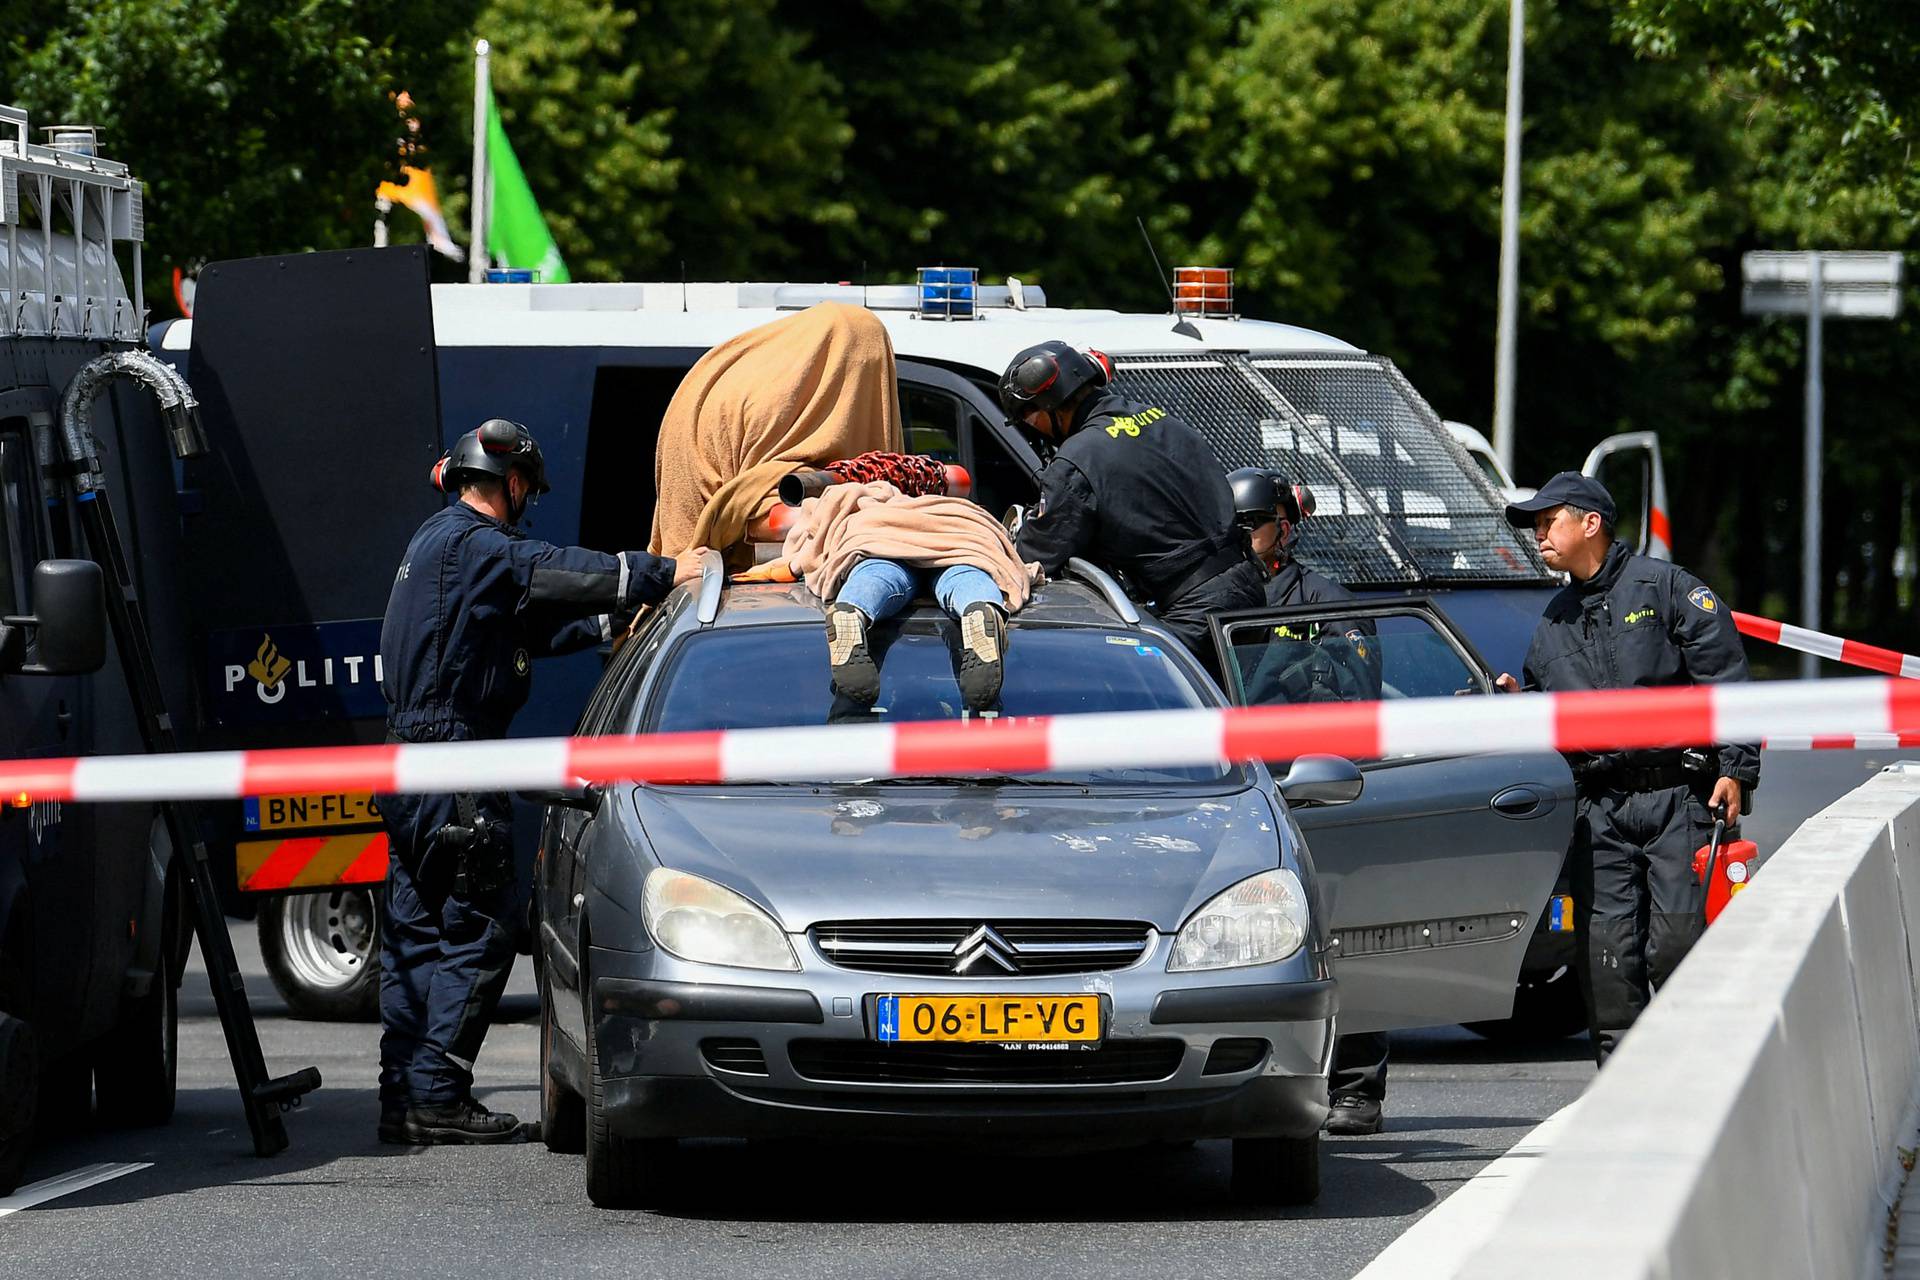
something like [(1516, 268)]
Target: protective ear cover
[(1105, 362), (438, 476)]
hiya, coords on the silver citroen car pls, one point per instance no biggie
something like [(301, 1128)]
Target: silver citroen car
[(1102, 958)]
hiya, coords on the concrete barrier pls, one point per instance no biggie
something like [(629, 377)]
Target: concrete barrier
[(1749, 1125)]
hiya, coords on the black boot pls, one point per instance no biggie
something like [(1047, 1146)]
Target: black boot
[(854, 672), (983, 651), (393, 1124), (1354, 1115), (462, 1122)]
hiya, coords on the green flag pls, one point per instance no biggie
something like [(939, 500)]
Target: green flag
[(517, 234)]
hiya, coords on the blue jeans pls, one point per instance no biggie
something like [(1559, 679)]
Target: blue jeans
[(882, 588)]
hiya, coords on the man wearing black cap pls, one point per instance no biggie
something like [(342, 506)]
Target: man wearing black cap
[(1133, 487), (1627, 621)]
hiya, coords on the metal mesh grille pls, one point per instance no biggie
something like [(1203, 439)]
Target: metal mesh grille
[(1397, 501)]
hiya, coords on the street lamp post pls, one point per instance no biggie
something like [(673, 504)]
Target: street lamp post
[(1509, 242)]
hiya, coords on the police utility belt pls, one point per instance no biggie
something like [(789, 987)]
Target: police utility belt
[(1216, 556), (1652, 771)]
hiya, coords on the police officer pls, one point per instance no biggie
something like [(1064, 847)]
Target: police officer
[(1132, 487), (1626, 621), (474, 602), (1340, 668)]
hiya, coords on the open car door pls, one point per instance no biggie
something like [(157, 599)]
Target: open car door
[(1434, 878)]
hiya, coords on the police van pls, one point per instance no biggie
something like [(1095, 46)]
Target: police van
[(331, 382)]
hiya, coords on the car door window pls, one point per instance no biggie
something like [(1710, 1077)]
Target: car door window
[(932, 422), (1345, 653)]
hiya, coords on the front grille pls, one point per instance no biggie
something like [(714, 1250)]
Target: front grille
[(1234, 1053), (741, 1056), (869, 1062), (976, 949)]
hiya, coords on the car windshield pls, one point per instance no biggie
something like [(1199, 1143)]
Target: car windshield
[(768, 677)]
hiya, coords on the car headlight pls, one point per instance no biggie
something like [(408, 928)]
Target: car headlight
[(1258, 921), (707, 923)]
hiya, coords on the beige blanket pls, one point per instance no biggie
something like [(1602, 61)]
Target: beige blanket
[(853, 522), (804, 391)]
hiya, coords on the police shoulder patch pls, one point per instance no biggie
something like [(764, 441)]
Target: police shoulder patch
[(520, 662), (1703, 599), (1358, 639)]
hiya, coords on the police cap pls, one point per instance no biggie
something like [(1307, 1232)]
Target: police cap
[(1570, 489)]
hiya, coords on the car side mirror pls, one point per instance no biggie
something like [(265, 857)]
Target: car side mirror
[(586, 799), (69, 622), (1320, 780)]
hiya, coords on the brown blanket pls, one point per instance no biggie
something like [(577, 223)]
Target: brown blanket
[(803, 391), (852, 522)]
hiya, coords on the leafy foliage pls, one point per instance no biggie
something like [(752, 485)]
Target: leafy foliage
[(1343, 155)]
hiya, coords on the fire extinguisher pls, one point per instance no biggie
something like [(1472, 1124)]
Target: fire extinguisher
[(1722, 869)]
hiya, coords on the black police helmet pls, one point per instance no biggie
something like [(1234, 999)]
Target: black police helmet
[(1255, 495), (1049, 375), (1259, 493), (493, 448)]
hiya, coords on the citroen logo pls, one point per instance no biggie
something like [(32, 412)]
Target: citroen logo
[(984, 944)]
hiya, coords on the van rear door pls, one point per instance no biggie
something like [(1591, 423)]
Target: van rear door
[(1433, 879)]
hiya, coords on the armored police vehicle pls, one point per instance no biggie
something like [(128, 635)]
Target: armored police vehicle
[(333, 381), (93, 931)]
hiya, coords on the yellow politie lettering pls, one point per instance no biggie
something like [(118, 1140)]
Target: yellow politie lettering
[(1131, 423)]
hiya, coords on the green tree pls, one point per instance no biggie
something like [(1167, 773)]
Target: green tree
[(1847, 70), (257, 128)]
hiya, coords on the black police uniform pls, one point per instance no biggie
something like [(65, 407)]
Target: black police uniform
[(1136, 488), (474, 602), (1638, 623)]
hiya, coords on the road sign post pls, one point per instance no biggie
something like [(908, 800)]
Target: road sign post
[(1864, 286)]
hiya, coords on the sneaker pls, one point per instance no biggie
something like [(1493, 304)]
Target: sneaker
[(461, 1122), (1354, 1116), (983, 650), (854, 672), (393, 1124)]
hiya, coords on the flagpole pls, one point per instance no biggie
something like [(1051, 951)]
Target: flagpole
[(477, 259)]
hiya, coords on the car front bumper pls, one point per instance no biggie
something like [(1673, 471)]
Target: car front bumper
[(656, 1020)]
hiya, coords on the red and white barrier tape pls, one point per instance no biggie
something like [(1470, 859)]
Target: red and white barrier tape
[(1890, 661), (1610, 720)]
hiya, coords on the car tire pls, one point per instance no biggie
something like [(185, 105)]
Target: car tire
[(1276, 1171), (563, 1113), (622, 1173), (135, 1064), (1542, 1012), (19, 1097), (322, 951)]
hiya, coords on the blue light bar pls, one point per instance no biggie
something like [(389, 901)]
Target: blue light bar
[(509, 275), (948, 293)]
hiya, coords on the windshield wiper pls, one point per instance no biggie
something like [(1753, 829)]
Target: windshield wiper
[(970, 780)]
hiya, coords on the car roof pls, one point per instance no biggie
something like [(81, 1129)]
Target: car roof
[(1068, 603), (652, 315)]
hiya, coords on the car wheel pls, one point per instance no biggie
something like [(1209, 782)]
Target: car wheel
[(19, 1094), (622, 1173), (563, 1113), (1277, 1171), (134, 1064), (1542, 1011), (322, 951)]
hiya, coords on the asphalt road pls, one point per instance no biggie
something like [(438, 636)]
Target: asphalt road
[(339, 1203)]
